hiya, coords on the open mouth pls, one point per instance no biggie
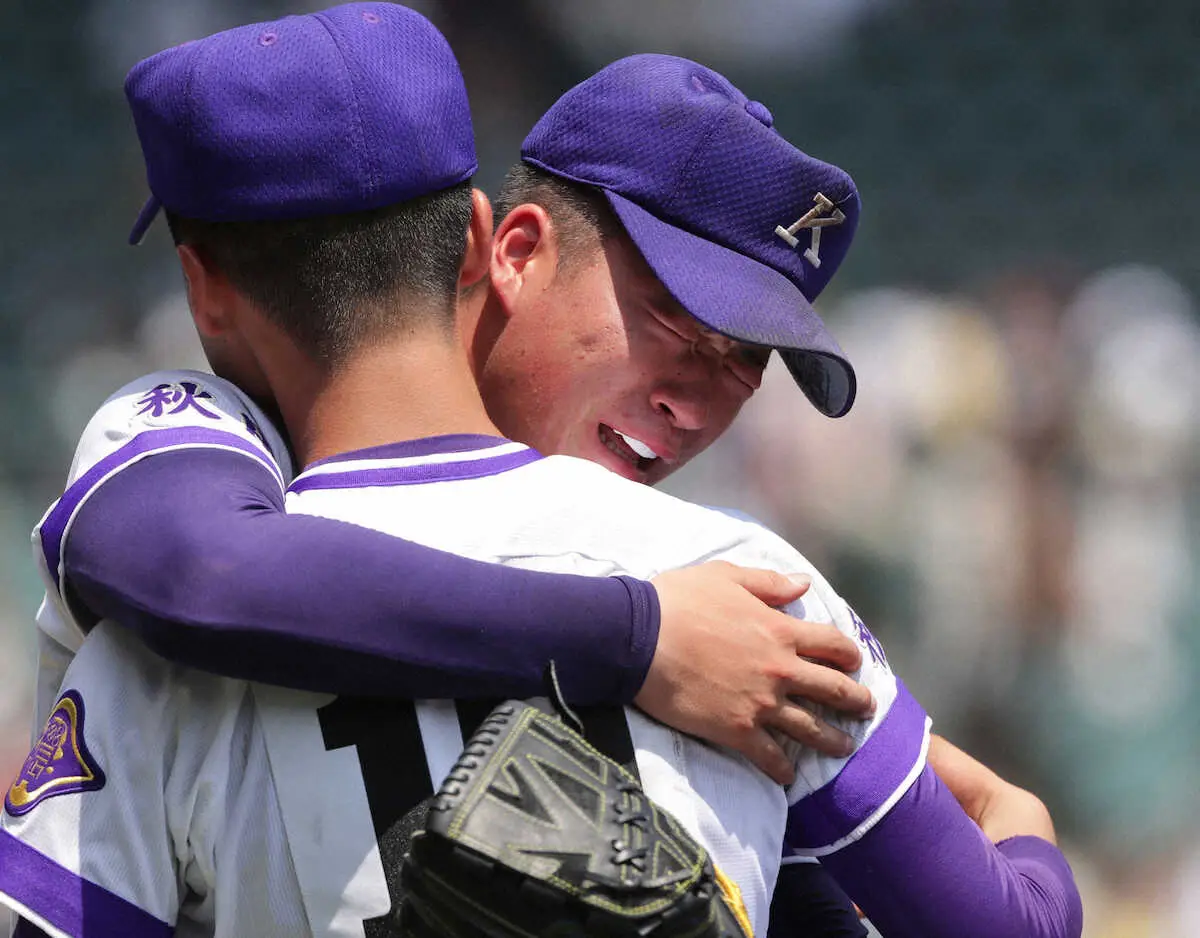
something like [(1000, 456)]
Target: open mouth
[(632, 450)]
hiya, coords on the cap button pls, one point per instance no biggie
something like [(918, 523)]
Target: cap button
[(759, 112)]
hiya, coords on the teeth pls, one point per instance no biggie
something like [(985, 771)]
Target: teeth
[(637, 446)]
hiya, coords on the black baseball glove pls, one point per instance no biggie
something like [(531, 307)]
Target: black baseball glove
[(536, 833)]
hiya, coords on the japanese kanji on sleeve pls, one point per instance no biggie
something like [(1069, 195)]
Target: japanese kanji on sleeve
[(158, 413)]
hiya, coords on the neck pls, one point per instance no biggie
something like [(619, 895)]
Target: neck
[(411, 386), (481, 321)]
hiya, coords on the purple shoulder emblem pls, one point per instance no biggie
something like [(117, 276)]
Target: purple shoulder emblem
[(59, 764)]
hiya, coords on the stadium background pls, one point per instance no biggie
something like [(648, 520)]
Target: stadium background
[(1012, 504)]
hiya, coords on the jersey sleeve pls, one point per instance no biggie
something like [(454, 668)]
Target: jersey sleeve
[(147, 805), (834, 802), (174, 525), (86, 847), (927, 871), (159, 413), (895, 838)]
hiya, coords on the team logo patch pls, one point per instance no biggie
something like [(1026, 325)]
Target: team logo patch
[(59, 764), (823, 214)]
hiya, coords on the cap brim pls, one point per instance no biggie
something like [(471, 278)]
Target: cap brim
[(145, 218), (745, 300)]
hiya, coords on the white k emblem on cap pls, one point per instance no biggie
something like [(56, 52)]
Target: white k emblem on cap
[(816, 219)]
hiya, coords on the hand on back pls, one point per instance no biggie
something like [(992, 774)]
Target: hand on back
[(727, 666)]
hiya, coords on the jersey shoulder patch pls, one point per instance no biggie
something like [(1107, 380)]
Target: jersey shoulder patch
[(59, 763), (176, 409), (158, 413)]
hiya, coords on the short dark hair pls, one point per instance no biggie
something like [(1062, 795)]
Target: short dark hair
[(335, 281), (580, 212)]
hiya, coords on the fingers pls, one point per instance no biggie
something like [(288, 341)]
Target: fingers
[(774, 589), (761, 748), (824, 643), (805, 728), (822, 685)]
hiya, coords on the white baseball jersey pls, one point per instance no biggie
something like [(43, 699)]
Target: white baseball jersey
[(157, 413), (173, 831)]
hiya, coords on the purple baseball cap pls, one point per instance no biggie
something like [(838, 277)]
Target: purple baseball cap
[(740, 226), (352, 108)]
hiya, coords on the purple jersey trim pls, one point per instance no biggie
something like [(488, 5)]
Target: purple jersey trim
[(425, 446), (926, 870), (414, 473), (57, 523), (67, 902), (879, 772)]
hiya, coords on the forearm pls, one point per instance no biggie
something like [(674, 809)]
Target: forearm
[(927, 871), (1001, 809), (194, 552)]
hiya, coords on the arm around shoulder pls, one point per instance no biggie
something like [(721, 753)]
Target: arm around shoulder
[(193, 550)]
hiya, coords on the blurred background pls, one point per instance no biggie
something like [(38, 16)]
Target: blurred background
[(1012, 505)]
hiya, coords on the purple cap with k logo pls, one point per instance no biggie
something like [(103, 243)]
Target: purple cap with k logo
[(353, 108), (740, 226)]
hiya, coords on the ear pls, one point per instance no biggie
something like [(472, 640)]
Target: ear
[(524, 254), (207, 292), (479, 241)]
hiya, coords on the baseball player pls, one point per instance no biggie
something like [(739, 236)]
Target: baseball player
[(169, 523), (239, 727), (173, 524)]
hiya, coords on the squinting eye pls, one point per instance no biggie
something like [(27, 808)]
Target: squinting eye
[(668, 323), (747, 365)]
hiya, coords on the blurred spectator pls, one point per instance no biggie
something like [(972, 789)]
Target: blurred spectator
[(1013, 501)]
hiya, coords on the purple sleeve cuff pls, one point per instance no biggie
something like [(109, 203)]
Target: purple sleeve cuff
[(926, 870), (193, 550)]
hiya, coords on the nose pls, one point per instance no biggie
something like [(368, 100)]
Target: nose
[(685, 406)]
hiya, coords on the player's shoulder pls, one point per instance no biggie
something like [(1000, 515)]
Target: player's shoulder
[(709, 533), (173, 409)]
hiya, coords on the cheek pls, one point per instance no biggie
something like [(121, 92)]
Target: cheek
[(723, 411), (731, 405)]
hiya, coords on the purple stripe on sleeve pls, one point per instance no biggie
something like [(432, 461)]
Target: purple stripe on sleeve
[(58, 520), (416, 473), (68, 902), (878, 771), (926, 870)]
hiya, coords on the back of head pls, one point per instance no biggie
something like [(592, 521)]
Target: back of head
[(322, 162)]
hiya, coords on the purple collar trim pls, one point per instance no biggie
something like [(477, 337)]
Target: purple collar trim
[(414, 462), (426, 446)]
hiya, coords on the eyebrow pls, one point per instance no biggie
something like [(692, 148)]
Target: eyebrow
[(661, 297)]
